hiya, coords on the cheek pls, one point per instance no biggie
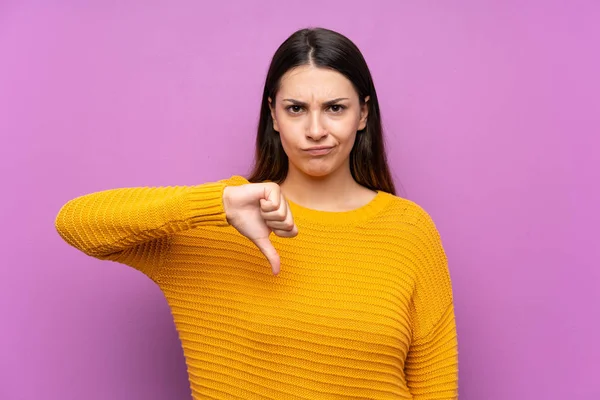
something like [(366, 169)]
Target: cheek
[(289, 142), (344, 127), (290, 133), (286, 145), (346, 134), (293, 131), (286, 134)]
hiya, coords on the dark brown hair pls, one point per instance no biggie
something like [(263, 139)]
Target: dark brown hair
[(324, 49)]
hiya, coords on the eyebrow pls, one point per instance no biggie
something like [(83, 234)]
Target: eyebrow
[(327, 103)]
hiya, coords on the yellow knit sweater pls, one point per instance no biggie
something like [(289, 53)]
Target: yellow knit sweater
[(362, 307)]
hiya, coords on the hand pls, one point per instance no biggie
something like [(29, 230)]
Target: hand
[(256, 210)]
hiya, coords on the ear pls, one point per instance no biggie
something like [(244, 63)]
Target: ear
[(364, 113), (272, 108)]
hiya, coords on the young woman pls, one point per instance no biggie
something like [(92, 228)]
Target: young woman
[(357, 302)]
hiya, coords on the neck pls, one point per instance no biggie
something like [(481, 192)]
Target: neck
[(336, 191)]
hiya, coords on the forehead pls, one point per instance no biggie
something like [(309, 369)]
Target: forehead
[(308, 82)]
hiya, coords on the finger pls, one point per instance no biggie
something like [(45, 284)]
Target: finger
[(266, 247), (282, 213), (286, 228), (271, 200), (266, 206), (286, 233), (286, 225), (294, 230)]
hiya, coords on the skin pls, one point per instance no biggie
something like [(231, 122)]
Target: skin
[(305, 116)]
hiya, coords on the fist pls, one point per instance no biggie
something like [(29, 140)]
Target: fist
[(256, 210)]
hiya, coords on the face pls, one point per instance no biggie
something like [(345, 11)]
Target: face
[(317, 113)]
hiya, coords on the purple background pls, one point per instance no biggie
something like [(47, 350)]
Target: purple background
[(492, 117)]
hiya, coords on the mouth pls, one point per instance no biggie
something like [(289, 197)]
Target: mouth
[(318, 150)]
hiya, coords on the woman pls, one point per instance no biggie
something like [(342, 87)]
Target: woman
[(359, 301)]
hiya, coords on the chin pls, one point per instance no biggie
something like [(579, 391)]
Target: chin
[(317, 168), (317, 174), (318, 171)]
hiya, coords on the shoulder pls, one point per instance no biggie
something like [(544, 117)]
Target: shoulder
[(420, 240), (412, 225), (407, 212)]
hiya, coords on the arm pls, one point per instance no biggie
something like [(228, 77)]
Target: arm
[(134, 226), (431, 366)]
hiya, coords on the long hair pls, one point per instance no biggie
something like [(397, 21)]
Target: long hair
[(323, 48)]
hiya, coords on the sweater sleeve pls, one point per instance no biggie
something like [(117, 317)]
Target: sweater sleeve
[(134, 226), (431, 366)]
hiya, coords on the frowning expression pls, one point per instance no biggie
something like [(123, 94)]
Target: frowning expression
[(317, 113)]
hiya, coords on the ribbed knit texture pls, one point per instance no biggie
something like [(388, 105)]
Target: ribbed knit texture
[(362, 307)]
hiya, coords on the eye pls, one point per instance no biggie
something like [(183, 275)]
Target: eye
[(337, 108), (294, 109)]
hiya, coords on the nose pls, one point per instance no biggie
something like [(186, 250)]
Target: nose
[(316, 130)]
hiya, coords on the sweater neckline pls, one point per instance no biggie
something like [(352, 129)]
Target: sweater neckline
[(349, 217)]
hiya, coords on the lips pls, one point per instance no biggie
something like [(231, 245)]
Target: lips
[(319, 150)]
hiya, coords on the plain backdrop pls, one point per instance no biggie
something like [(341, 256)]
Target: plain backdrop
[(491, 115)]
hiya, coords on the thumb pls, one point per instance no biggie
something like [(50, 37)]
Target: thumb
[(266, 247)]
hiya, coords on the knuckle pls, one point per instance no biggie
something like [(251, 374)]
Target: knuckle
[(273, 187), (289, 220), (281, 214)]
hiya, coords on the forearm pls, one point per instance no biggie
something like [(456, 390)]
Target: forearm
[(110, 221)]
